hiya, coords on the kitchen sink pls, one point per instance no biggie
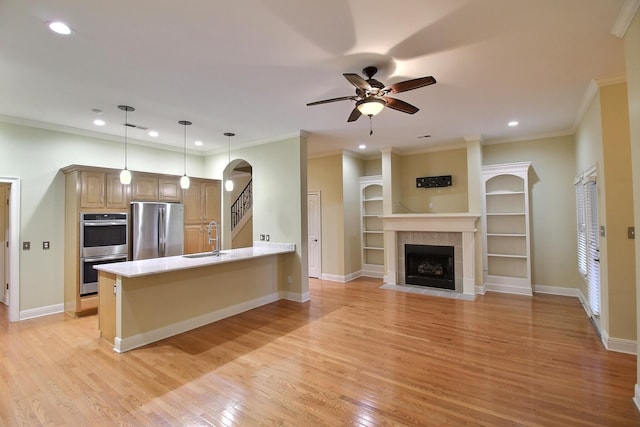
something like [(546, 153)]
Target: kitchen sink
[(203, 254)]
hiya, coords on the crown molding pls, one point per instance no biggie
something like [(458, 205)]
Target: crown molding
[(625, 16)]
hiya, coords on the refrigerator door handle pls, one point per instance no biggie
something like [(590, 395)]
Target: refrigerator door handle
[(161, 233)]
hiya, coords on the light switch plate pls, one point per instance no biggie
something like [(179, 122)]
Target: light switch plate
[(631, 232), (46, 245), (602, 232), (26, 246)]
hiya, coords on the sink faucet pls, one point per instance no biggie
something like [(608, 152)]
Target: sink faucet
[(214, 226)]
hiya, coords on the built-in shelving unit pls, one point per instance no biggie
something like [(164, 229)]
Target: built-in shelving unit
[(505, 225), (372, 234)]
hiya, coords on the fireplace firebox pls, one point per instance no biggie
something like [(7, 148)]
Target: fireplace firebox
[(429, 265)]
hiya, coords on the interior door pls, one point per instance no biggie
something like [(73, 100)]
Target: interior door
[(314, 230), (4, 233)]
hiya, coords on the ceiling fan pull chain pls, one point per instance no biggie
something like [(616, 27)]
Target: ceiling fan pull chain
[(370, 126)]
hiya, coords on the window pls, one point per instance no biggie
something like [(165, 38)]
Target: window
[(589, 237)]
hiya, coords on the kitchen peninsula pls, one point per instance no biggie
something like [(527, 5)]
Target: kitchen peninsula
[(144, 301)]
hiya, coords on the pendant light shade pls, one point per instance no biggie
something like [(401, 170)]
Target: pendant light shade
[(184, 181), (228, 184), (125, 174)]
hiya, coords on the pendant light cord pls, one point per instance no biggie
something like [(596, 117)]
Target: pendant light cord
[(185, 149), (126, 125)]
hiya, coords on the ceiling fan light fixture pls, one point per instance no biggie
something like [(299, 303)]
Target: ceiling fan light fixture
[(370, 106)]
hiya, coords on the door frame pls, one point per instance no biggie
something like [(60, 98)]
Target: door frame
[(14, 247), (319, 231)]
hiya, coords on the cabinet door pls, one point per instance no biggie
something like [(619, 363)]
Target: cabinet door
[(117, 193), (144, 188), (169, 190), (193, 240), (192, 199), (211, 202), (91, 189)]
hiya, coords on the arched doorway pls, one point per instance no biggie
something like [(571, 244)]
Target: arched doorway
[(238, 206)]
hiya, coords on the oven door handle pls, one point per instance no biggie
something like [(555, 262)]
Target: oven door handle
[(104, 224), (104, 258)]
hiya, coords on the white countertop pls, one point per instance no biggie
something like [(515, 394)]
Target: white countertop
[(146, 267)]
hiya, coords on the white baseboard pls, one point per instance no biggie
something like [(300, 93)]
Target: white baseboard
[(295, 296), (341, 279), (636, 397), (481, 290), (556, 290), (508, 289), (371, 273), (620, 345), (41, 311), (126, 344)]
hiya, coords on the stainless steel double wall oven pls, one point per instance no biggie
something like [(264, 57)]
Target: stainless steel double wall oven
[(104, 238)]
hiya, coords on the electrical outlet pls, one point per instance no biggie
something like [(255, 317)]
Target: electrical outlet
[(267, 237), (262, 237), (26, 246), (45, 245)]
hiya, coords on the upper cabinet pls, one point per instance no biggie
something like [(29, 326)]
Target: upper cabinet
[(147, 187), (101, 190), (506, 237)]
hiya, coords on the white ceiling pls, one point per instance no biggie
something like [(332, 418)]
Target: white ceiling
[(250, 67)]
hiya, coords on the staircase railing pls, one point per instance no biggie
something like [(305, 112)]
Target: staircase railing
[(241, 205)]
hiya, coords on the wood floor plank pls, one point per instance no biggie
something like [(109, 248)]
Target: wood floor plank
[(354, 355)]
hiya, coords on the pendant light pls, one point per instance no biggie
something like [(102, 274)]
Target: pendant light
[(228, 185), (125, 174), (184, 181)]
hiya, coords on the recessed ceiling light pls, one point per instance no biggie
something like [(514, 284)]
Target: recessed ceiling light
[(153, 133), (198, 143), (513, 123), (59, 27), (362, 146), (99, 122)]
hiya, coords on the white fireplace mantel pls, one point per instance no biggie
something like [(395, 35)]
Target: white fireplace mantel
[(464, 223)]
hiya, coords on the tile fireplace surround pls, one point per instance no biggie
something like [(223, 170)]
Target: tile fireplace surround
[(454, 229)]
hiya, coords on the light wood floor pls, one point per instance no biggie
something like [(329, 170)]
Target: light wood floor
[(354, 355)]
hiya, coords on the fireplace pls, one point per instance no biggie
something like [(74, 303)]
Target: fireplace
[(430, 265)]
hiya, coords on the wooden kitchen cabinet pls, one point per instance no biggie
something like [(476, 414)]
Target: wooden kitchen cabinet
[(144, 188), (201, 205), (118, 194), (169, 190), (100, 190), (92, 189)]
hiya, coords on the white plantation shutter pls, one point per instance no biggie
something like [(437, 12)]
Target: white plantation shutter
[(593, 245), (588, 233), (582, 229)]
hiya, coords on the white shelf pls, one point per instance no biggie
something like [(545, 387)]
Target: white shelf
[(372, 241), (507, 256), (504, 193), (505, 224)]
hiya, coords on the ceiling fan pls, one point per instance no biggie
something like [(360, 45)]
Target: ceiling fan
[(371, 94)]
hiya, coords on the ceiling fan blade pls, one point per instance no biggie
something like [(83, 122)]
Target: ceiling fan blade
[(357, 81), (355, 115), (396, 104), (409, 85), (342, 98)]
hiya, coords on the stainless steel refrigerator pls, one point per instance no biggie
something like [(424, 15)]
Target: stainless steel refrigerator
[(157, 229)]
